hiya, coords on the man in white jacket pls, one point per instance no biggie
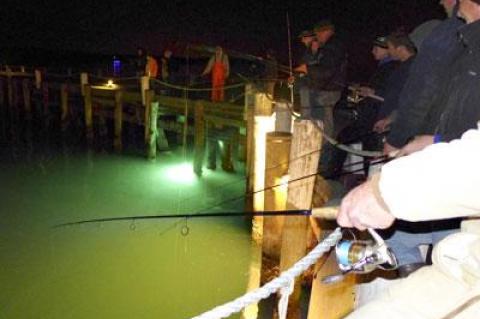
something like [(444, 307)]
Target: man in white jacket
[(442, 181)]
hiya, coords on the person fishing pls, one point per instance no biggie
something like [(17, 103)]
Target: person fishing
[(219, 67)]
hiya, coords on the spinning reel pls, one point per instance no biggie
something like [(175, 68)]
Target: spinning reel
[(361, 257)]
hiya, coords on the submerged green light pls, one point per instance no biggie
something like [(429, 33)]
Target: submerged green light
[(181, 173)]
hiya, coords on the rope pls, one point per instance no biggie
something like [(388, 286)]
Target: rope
[(283, 283), (184, 88)]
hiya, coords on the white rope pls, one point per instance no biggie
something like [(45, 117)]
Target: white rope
[(284, 282)]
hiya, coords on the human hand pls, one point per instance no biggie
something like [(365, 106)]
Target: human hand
[(361, 209), (366, 91), (382, 125), (390, 150), (418, 144)]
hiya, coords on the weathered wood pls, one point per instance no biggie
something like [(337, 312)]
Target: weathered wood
[(199, 138), (88, 108), (331, 301), (276, 170), (27, 102), (149, 96), (64, 105), (152, 149), (83, 82), (144, 87), (9, 88), (262, 124), (249, 144), (283, 118), (117, 141), (303, 162), (38, 79)]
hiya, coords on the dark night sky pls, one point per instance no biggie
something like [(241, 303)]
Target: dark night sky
[(251, 26)]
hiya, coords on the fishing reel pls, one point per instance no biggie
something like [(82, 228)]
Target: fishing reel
[(363, 256)]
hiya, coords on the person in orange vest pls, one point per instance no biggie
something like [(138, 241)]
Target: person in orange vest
[(219, 67), (151, 68)]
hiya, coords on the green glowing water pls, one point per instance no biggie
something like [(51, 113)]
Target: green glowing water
[(146, 269)]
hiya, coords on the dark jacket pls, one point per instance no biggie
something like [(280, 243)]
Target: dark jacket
[(461, 99), (426, 82), (379, 79), (393, 89), (327, 70)]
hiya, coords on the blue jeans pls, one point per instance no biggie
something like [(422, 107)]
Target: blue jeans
[(407, 238)]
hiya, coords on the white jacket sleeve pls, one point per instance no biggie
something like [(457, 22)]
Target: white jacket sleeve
[(442, 181)]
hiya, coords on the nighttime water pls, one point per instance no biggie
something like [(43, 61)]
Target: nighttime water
[(124, 269)]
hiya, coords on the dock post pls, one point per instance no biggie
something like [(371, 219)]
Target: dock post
[(38, 79), (64, 105), (88, 108), (118, 121), (199, 138), (27, 102), (152, 145), (149, 95), (83, 82), (262, 124), (276, 173), (9, 87), (303, 162)]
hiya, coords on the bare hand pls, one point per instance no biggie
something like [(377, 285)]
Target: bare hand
[(362, 210), (382, 125), (390, 150), (418, 144), (366, 91)]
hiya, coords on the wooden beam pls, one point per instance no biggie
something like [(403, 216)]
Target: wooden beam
[(303, 162)]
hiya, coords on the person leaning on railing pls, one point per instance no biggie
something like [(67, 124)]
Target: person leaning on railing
[(439, 182)]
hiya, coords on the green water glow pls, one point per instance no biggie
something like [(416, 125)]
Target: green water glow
[(145, 269)]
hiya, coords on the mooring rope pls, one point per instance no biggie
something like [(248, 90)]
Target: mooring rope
[(284, 283)]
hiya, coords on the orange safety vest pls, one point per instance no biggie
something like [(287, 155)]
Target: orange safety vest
[(218, 80)]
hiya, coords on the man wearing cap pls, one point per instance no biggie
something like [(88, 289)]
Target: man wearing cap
[(360, 130), (326, 73), (306, 37), (418, 111)]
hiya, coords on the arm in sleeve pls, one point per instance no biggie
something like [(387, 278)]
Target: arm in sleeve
[(209, 66), (438, 183)]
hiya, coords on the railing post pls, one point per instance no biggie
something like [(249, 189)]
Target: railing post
[(118, 120), (303, 162), (199, 138), (38, 79), (149, 95)]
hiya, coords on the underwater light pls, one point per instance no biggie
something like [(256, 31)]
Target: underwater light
[(181, 173)]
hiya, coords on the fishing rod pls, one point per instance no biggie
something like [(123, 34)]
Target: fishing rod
[(328, 213)]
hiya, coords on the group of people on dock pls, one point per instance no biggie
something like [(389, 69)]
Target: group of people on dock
[(420, 108)]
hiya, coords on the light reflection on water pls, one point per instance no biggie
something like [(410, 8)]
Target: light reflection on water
[(146, 269)]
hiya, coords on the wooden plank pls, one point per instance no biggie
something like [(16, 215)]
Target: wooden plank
[(303, 162)]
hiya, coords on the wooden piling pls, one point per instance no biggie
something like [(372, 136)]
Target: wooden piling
[(149, 95), (276, 173), (38, 79), (199, 138), (45, 98), (27, 102), (152, 149), (83, 82), (303, 162), (88, 108), (118, 121), (262, 124), (9, 87), (64, 105)]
